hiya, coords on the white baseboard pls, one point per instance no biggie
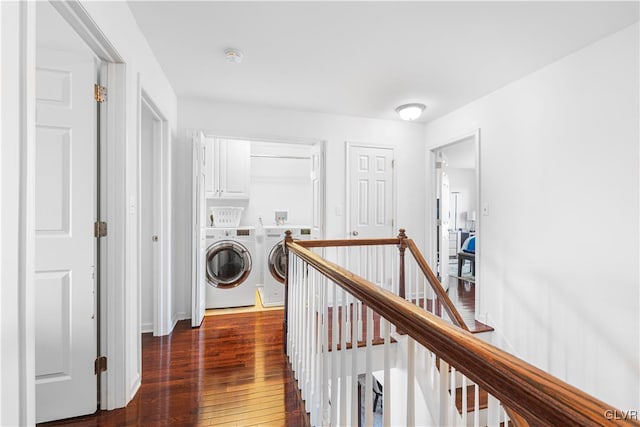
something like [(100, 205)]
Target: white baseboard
[(133, 389), (146, 327), (177, 317)]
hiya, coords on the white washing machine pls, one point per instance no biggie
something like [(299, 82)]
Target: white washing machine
[(272, 290), (230, 261)]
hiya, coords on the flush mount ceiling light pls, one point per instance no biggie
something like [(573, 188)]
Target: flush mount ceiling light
[(233, 56), (410, 111)]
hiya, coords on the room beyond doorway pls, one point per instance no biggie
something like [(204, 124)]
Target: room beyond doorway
[(457, 205)]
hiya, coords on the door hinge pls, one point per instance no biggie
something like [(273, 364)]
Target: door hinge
[(100, 365), (99, 229), (99, 93)]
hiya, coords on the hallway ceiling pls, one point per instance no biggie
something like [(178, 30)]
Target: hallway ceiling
[(365, 58)]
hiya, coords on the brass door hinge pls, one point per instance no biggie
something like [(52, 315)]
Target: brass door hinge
[(100, 229), (100, 364), (99, 93)]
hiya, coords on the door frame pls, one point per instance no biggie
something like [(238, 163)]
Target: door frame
[(162, 318), (394, 195), (431, 192), (112, 316)]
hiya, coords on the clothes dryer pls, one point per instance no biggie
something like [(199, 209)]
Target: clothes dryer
[(272, 290), (230, 274)]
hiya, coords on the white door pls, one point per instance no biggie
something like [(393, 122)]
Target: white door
[(199, 236), (370, 192), (317, 182), (445, 222), (66, 197)]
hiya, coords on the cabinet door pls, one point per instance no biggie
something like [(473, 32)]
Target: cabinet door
[(209, 168), (234, 161)]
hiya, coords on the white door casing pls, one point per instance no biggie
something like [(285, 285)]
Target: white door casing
[(445, 222), (370, 191), (317, 189), (65, 311), (198, 299)]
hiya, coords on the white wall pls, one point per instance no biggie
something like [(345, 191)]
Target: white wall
[(272, 178), (559, 251), (269, 124), (463, 181)]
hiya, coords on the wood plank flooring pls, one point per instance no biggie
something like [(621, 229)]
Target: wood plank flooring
[(229, 372)]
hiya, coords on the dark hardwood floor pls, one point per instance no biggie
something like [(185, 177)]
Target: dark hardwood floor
[(463, 295), (231, 371)]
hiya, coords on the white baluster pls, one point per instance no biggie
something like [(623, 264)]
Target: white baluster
[(325, 352), (386, 395), (355, 405), (464, 400), (476, 406), (368, 391), (343, 359), (444, 393), (452, 395), (334, 354), (411, 375)]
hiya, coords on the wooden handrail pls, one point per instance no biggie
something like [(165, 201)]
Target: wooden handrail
[(348, 242), (451, 310), (540, 398)]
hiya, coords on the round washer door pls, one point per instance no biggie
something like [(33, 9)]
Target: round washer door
[(278, 262), (228, 264)]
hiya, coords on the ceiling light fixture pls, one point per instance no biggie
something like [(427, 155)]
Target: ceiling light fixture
[(233, 56), (410, 111)]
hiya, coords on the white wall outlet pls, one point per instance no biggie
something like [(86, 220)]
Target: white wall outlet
[(485, 209)]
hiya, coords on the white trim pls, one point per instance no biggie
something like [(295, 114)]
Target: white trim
[(162, 324), (27, 247), (77, 17), (114, 208), (431, 191), (394, 187)]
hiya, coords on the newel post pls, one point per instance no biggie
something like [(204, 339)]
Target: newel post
[(402, 246), (285, 324)]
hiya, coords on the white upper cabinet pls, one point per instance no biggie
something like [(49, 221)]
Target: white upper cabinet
[(227, 168)]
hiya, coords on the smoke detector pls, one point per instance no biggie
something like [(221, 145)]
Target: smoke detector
[(233, 56)]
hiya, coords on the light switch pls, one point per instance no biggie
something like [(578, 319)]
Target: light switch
[(485, 209), (339, 210)]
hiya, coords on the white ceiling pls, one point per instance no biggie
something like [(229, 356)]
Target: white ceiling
[(366, 58)]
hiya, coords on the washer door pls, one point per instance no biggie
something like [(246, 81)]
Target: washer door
[(277, 262), (228, 264)]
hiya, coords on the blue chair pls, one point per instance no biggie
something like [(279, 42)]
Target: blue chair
[(467, 253)]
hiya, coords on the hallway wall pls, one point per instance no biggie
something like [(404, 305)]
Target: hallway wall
[(559, 249)]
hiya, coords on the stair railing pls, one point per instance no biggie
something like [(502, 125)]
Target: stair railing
[(343, 334)]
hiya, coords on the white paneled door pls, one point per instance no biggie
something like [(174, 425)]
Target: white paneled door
[(370, 192), (198, 286), (65, 310)]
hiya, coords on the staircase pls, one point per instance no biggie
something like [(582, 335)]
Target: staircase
[(359, 311)]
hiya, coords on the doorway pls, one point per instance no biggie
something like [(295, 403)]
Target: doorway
[(456, 197)]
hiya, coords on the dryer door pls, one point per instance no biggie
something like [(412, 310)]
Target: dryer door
[(228, 264), (278, 262)]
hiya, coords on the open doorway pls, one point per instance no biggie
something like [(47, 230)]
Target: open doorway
[(457, 201), (154, 235)]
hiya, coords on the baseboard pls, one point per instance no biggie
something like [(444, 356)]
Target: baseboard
[(146, 327), (177, 317), (498, 338), (133, 389)]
